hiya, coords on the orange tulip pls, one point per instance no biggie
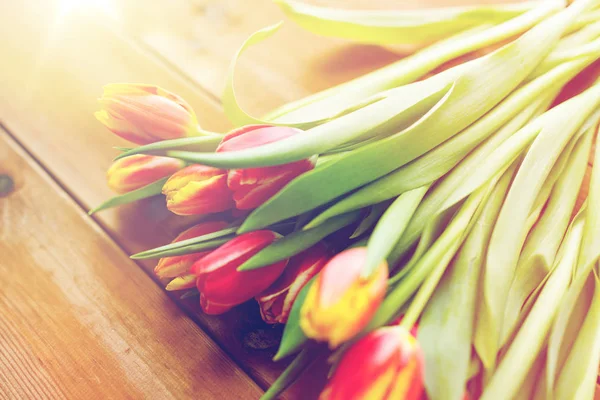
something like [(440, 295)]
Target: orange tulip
[(251, 187), (276, 302), (198, 189), (133, 172), (145, 114), (387, 364), (170, 267), (341, 302), (221, 285)]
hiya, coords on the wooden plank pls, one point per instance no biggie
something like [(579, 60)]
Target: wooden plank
[(58, 65), (79, 319)]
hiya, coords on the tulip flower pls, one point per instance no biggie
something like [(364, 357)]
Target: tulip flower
[(133, 172), (251, 187), (386, 364), (276, 302), (341, 301), (170, 267), (198, 189), (145, 114), (221, 286), (182, 282)]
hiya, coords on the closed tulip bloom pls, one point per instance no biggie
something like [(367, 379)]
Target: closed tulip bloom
[(182, 282), (221, 286), (387, 364), (198, 189), (170, 267), (341, 301), (133, 172), (276, 302), (251, 187), (145, 114)]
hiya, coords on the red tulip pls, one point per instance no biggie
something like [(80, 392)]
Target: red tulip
[(341, 302), (276, 302), (144, 113), (134, 172), (221, 286), (170, 267), (387, 364), (251, 187), (198, 189)]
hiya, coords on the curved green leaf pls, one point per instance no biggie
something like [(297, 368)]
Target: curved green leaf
[(521, 106), (390, 228), (482, 84), (153, 189), (183, 244), (196, 143), (391, 26), (293, 338), (296, 242)]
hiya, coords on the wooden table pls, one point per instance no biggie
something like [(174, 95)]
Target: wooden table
[(78, 318)]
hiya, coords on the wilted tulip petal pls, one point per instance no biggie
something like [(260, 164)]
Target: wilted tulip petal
[(251, 187), (341, 302), (198, 189), (387, 364), (276, 302), (133, 172), (170, 267), (145, 114), (221, 285)]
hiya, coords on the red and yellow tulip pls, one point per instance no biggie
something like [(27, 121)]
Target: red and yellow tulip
[(133, 172), (198, 189), (145, 114), (386, 364), (276, 302), (341, 301), (221, 286), (251, 187), (170, 267)]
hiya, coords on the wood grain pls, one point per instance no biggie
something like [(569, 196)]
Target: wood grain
[(47, 98), (81, 320)]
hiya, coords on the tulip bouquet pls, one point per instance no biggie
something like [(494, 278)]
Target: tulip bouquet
[(421, 226)]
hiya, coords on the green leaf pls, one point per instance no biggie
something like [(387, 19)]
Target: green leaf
[(185, 245), (296, 242), (293, 337), (559, 125), (150, 190), (292, 373), (529, 340), (337, 100), (391, 26), (522, 105), (375, 212), (543, 241), (390, 228), (386, 115), (447, 325), (499, 73), (196, 143), (577, 379)]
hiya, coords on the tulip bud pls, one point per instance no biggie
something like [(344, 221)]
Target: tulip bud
[(251, 187), (182, 282), (170, 267), (386, 364), (133, 172), (341, 301), (145, 114), (221, 285), (276, 302), (198, 189)]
